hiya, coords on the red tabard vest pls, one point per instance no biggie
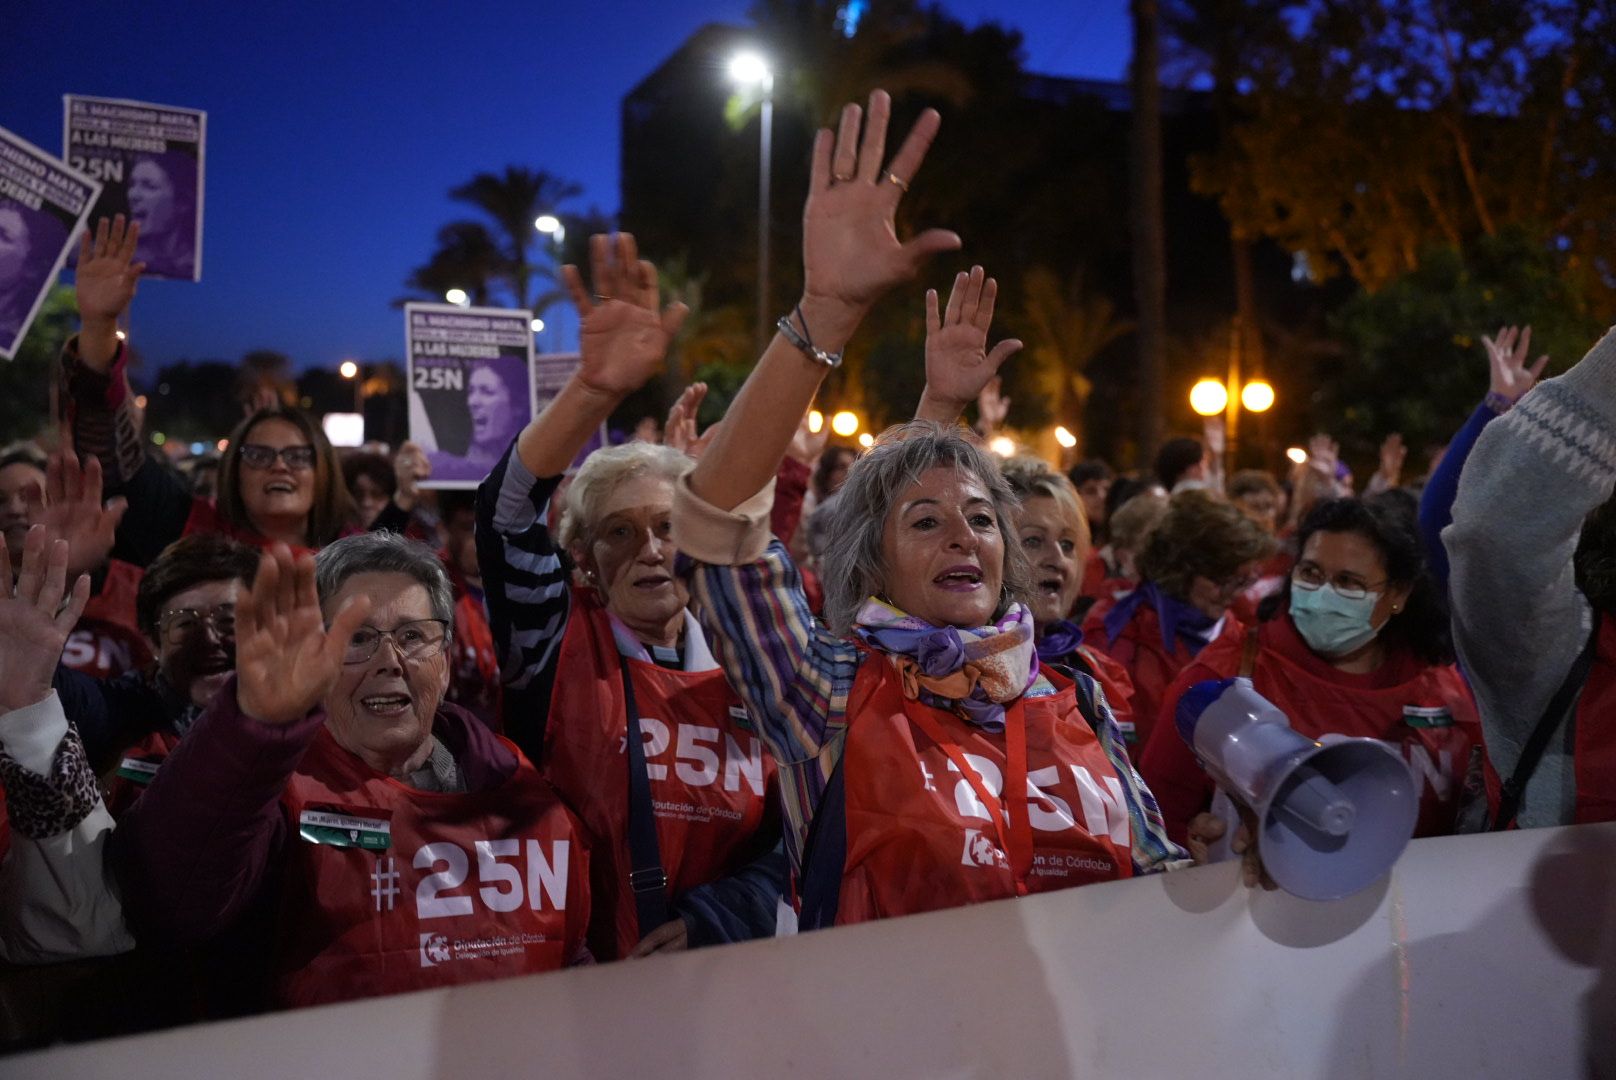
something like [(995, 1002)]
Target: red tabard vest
[(712, 784), (388, 889), (1428, 716), (136, 769), (921, 835), (106, 641), (1139, 650), (474, 666)]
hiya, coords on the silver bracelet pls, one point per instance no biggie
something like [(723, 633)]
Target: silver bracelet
[(805, 344)]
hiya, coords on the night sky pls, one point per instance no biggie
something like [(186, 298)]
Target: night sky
[(335, 131)]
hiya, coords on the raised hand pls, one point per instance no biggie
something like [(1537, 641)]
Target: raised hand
[(1510, 378), (851, 252), (1323, 453), (105, 284), (680, 430), (1392, 455), (34, 621), (72, 510), (286, 659), (622, 334), (959, 366), (807, 444)]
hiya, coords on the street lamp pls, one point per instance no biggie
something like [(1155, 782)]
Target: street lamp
[(457, 297), (350, 371), (816, 421), (1208, 397), (1213, 397), (845, 423), (1257, 396), (748, 70), (536, 325)]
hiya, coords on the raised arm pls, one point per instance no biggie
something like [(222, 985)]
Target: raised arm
[(958, 364), (851, 257)]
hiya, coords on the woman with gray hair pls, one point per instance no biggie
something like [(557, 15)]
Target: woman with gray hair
[(609, 682), (927, 759), (392, 840)]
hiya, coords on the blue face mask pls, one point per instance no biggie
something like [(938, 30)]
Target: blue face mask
[(1332, 624)]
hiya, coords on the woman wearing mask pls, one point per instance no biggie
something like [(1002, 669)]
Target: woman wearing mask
[(1198, 559), (1357, 644)]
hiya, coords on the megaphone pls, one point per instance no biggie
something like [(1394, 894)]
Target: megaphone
[(1333, 816)]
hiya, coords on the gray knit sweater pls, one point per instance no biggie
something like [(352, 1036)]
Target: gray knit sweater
[(1518, 619)]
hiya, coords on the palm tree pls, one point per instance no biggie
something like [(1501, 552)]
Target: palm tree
[(1065, 329), (512, 201), (467, 257)]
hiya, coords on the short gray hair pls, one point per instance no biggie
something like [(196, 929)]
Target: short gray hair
[(608, 467), (854, 565), (384, 553)]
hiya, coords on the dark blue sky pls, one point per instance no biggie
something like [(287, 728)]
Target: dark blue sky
[(336, 129)]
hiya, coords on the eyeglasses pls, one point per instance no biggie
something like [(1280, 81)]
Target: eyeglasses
[(1310, 577), (184, 624), (258, 456), (415, 640)]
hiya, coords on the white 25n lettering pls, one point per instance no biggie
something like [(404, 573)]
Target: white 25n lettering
[(501, 885), (1105, 813), (696, 760)]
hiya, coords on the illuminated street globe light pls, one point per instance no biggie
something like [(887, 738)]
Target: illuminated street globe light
[(1257, 396), (1208, 397), (816, 421), (536, 325), (1297, 455), (457, 297), (349, 369), (845, 423), (547, 223), (750, 69)]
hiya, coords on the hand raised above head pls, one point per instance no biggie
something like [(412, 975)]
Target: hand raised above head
[(72, 510), (851, 251), (680, 430), (286, 658), (107, 274), (623, 336), (1508, 375), (36, 616), (959, 366)]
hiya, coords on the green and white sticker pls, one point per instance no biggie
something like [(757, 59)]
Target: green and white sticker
[(345, 830), (1427, 716), (138, 771)]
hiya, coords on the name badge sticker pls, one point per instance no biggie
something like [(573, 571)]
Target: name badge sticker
[(1427, 716), (340, 829), (137, 770)]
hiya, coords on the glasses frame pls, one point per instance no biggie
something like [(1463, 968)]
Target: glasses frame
[(1348, 592), (209, 618), (426, 652), (282, 454)]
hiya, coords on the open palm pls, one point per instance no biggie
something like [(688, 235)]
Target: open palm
[(74, 513), (958, 363), (623, 337), (286, 658), (107, 275), (34, 621)]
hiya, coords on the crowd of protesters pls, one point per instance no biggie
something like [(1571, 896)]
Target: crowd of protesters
[(301, 730)]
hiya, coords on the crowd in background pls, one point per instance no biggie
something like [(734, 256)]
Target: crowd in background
[(283, 726)]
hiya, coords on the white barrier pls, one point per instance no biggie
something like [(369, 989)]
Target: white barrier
[(1486, 956)]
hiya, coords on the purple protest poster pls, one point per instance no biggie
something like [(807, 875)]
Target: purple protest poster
[(149, 159), (550, 373), (43, 205), (471, 386)]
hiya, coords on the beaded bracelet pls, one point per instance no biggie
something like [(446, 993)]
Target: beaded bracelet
[(805, 343), (1497, 402)]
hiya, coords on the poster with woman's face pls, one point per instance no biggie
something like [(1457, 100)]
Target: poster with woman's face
[(471, 387), (149, 159), (43, 204)]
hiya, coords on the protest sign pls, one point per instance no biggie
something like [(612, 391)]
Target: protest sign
[(550, 373), (43, 204), (471, 386), (149, 160)]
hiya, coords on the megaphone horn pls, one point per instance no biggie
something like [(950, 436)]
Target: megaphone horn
[(1333, 816)]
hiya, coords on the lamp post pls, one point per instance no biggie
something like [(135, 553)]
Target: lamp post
[(1211, 397), (749, 69)]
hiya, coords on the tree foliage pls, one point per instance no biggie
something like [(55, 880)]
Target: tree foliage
[(25, 380)]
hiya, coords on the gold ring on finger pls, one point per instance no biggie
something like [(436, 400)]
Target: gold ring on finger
[(903, 185)]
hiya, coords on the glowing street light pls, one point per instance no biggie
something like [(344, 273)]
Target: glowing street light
[(1003, 445), (816, 421), (1257, 396), (866, 440), (1208, 397), (749, 69), (1065, 438), (349, 369), (1297, 455), (536, 325), (457, 297), (844, 423), (548, 224)]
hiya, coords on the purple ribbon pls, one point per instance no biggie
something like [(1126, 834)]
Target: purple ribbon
[(1060, 640), (1179, 621)]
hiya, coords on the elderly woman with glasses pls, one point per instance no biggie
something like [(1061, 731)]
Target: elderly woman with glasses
[(927, 759), (389, 839), (1356, 644), (1198, 559), (609, 679)]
